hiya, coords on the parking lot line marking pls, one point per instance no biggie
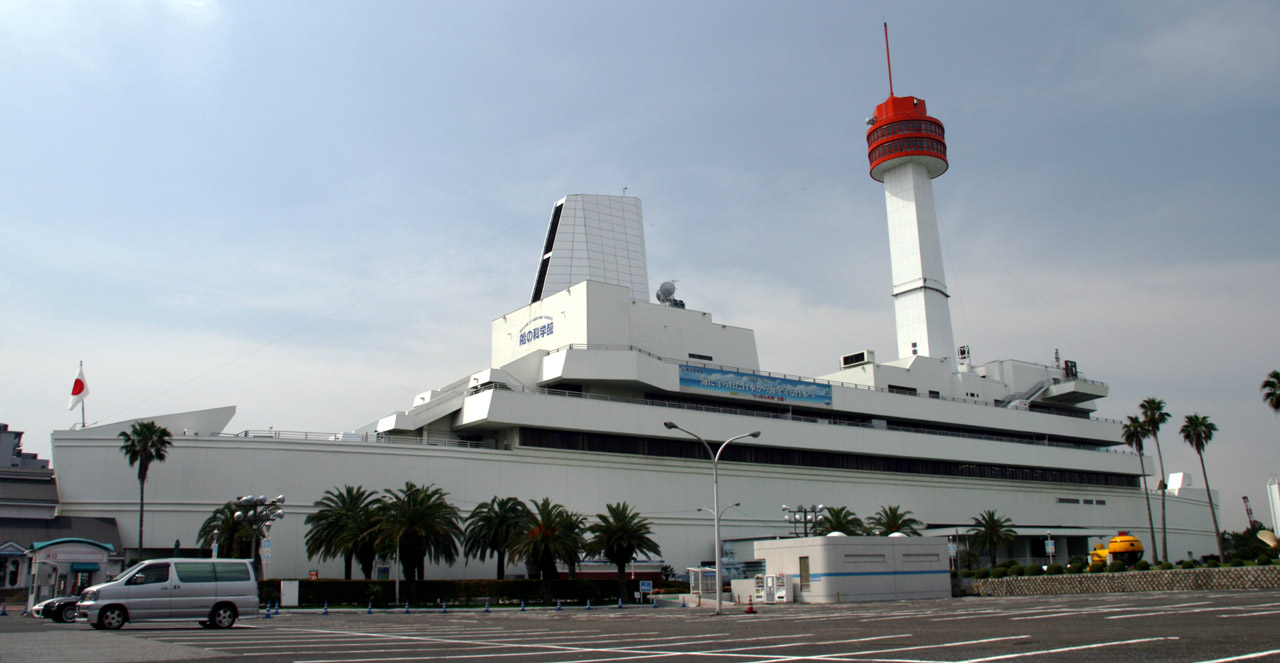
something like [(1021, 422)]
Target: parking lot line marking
[(1251, 614), (1059, 650), (845, 656), (1186, 612), (1244, 657)]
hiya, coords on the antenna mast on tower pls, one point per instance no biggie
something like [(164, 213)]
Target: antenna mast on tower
[(887, 60)]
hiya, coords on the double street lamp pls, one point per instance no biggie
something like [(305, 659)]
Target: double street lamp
[(258, 513), (715, 495)]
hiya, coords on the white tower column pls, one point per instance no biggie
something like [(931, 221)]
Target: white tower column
[(920, 304)]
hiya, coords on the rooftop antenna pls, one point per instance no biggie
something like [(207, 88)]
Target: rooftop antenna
[(624, 190), (888, 62)]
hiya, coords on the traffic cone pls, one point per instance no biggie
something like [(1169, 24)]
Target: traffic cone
[(277, 607), (682, 603), (588, 604), (486, 606), (655, 603), (558, 604), (4, 609), (521, 605), (326, 608), (406, 607), (444, 606), (619, 602), (268, 611), (370, 610), (751, 608)]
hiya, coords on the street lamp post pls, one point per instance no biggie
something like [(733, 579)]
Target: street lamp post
[(803, 514), (715, 495), (259, 512)]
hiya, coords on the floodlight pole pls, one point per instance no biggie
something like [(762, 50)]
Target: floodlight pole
[(715, 496)]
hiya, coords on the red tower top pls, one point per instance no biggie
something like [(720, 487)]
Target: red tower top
[(903, 131)]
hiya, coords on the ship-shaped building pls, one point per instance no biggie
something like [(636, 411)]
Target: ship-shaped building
[(583, 379)]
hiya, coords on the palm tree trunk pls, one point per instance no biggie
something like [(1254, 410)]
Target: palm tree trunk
[(622, 581), (1146, 496), (993, 555), (346, 565), (1164, 488), (1209, 494), (502, 564), (142, 506)]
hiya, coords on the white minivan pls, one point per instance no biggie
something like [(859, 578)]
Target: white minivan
[(213, 592)]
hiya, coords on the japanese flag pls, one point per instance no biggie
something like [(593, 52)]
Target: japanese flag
[(79, 389)]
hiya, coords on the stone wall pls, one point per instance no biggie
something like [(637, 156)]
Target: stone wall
[(1242, 577)]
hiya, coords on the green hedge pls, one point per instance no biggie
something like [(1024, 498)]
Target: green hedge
[(382, 592)]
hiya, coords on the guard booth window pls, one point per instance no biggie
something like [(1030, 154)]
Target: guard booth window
[(804, 573)]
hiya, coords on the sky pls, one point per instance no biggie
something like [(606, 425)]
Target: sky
[(313, 210)]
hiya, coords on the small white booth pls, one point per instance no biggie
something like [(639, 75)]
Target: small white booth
[(64, 567), (835, 569)]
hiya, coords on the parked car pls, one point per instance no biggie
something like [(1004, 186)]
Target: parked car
[(61, 609), (211, 592)]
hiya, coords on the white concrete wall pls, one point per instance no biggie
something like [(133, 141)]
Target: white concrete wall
[(203, 473)]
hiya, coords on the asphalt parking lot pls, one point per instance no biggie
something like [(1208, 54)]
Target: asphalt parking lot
[(1173, 627)]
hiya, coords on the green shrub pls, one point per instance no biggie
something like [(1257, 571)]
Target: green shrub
[(1016, 570), (982, 573), (1035, 570), (1187, 564), (1212, 564), (999, 572), (1053, 570), (1264, 559), (1165, 566), (1142, 565), (1075, 568), (1236, 561), (966, 573), (1007, 563), (1097, 567), (1116, 567)]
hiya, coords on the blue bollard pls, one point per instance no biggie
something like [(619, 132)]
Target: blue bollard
[(558, 604), (370, 610), (521, 605), (486, 606), (406, 607), (326, 608), (444, 606)]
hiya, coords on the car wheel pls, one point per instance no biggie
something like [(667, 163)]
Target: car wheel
[(111, 618), (68, 614), (223, 615)]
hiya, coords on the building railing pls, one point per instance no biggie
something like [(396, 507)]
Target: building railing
[(378, 438), (835, 383)]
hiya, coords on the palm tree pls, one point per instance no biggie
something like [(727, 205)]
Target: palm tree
[(144, 444), (839, 519), (1271, 391), (890, 519), (1153, 416), (619, 536), (991, 531), (1134, 433), (574, 525), (1198, 431), (221, 527), (343, 526), (418, 523), (493, 527), (549, 538)]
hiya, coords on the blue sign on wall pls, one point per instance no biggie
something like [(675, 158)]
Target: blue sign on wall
[(749, 385), (537, 328)]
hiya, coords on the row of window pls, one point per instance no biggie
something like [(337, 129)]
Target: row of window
[(191, 572), (669, 448), (908, 145), (912, 127)]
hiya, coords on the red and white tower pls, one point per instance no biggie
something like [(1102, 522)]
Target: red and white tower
[(907, 150)]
